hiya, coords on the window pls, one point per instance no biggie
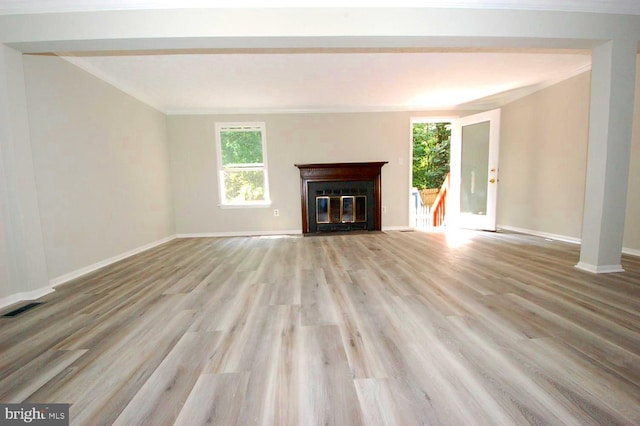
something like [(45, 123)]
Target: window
[(242, 164)]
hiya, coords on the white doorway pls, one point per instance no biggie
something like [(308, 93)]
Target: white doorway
[(430, 157)]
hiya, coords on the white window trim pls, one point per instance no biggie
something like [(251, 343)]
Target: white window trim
[(219, 127)]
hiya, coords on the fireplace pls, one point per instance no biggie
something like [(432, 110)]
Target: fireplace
[(341, 196)]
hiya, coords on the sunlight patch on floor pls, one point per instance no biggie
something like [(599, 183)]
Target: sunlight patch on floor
[(455, 237)]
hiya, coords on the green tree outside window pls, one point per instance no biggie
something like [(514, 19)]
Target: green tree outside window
[(243, 172), (431, 153)]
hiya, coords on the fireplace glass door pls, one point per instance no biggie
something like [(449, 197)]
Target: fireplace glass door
[(346, 215), (322, 210), (341, 209)]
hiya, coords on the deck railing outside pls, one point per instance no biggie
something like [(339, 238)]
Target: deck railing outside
[(438, 210), (425, 215)]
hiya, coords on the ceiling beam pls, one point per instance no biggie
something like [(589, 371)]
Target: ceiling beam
[(311, 28)]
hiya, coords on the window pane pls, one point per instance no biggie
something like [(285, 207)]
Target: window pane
[(244, 186), (241, 147)]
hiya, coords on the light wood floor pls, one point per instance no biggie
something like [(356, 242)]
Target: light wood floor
[(401, 328)]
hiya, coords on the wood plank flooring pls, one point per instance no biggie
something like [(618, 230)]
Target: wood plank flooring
[(398, 328)]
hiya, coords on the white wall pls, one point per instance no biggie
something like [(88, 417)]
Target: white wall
[(6, 284), (23, 264), (632, 222), (291, 139), (543, 162), (102, 166), (543, 156)]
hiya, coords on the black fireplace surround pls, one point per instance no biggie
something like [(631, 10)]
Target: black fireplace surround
[(340, 206), (341, 197)]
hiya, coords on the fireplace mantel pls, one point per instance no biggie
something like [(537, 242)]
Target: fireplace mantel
[(338, 172)]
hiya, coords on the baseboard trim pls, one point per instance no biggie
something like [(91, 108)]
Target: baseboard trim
[(27, 295), (398, 228), (599, 269), (240, 234), (91, 268), (625, 250), (556, 237)]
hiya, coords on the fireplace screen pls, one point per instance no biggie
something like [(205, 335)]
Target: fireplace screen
[(341, 209), (341, 197)]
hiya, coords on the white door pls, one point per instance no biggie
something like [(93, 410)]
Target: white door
[(475, 142)]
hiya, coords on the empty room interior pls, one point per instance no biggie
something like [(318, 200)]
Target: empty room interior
[(206, 213)]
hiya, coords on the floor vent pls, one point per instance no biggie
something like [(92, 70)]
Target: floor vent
[(22, 309)]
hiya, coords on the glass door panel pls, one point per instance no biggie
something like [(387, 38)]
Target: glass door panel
[(475, 168), (475, 141)]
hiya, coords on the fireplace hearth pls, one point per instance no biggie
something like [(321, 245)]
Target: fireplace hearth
[(341, 197)]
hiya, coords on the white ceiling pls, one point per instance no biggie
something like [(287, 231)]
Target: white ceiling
[(332, 81)]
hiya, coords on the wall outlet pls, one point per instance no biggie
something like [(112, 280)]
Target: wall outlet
[(276, 212), (384, 209)]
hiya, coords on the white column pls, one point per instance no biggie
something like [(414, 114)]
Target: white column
[(24, 260), (610, 127)]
